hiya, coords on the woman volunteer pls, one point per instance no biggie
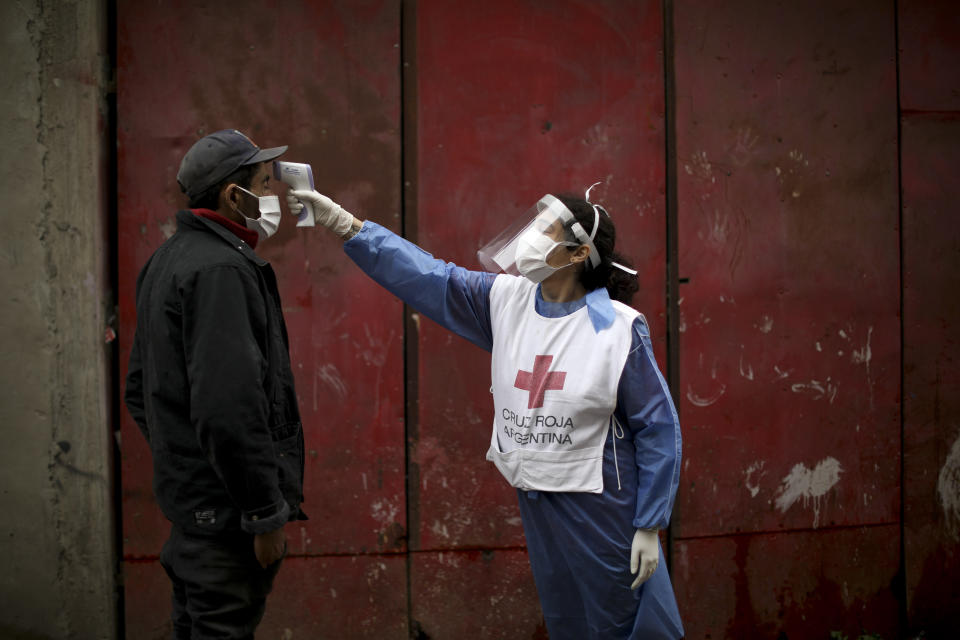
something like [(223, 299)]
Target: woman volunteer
[(584, 426)]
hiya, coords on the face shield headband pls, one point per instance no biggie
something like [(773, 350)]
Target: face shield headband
[(596, 224), (581, 235)]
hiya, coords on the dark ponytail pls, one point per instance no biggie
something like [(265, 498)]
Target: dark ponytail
[(619, 284)]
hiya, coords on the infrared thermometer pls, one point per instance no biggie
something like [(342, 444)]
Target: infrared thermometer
[(299, 176)]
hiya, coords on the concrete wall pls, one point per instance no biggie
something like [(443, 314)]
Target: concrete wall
[(57, 572)]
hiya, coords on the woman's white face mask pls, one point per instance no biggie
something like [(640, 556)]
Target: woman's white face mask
[(533, 249)]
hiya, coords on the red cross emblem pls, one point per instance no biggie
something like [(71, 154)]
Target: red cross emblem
[(539, 381)]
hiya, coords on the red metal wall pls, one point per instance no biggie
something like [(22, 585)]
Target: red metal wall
[(333, 94), (930, 155), (514, 100), (794, 259), (789, 362)]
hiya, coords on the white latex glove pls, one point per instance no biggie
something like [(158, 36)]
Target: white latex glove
[(326, 211), (644, 555)]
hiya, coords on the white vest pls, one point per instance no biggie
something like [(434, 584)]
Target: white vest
[(554, 389)]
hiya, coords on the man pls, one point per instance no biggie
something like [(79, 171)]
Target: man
[(211, 388)]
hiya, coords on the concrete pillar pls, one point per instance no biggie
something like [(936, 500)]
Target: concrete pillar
[(57, 572)]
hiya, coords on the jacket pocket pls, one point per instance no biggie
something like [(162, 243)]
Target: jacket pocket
[(283, 432), (288, 445)]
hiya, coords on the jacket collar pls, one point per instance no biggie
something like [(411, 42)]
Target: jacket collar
[(188, 219), (250, 236)]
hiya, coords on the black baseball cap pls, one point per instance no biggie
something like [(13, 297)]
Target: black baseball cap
[(214, 157)]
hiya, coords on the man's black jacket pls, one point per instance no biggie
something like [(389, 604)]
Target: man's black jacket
[(211, 387)]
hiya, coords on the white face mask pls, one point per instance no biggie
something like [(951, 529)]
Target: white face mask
[(269, 209), (533, 248)]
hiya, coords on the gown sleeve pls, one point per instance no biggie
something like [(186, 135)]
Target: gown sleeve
[(646, 410), (455, 298)]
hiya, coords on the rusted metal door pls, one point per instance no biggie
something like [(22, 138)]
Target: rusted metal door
[(504, 102), (789, 507), (323, 78), (444, 121), (514, 100), (930, 154)]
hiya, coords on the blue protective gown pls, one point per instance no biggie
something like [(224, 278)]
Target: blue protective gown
[(579, 543)]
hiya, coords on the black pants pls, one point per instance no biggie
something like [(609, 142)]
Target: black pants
[(219, 588)]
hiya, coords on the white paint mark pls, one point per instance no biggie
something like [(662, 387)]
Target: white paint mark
[(807, 484), (375, 356), (743, 150), (333, 592), (819, 348), (168, 227), (843, 334), (813, 386), (766, 324), (948, 488), (817, 389), (701, 165), (704, 401), (378, 349), (781, 374), (748, 372), (721, 225), (440, 529), (384, 512), (754, 489), (514, 522), (304, 540), (777, 170), (864, 356), (328, 373), (374, 571)]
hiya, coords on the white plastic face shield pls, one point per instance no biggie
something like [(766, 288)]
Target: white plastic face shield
[(542, 230)]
